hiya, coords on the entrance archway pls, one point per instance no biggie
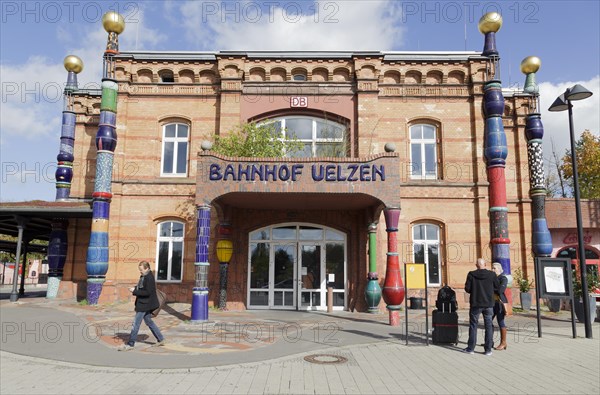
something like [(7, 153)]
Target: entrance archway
[(291, 265)]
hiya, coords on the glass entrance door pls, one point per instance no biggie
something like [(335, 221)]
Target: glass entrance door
[(291, 265), (283, 276), (310, 285)]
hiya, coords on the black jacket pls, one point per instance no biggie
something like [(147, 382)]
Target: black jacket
[(481, 284), (146, 299), (502, 283)]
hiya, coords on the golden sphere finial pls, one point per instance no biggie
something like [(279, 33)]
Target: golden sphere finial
[(530, 64), (73, 63), (490, 22), (113, 22)]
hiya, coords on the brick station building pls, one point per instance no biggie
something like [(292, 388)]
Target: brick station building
[(297, 222)]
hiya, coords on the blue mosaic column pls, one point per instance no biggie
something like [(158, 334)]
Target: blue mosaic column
[(200, 290), (534, 131), (57, 254), (496, 149), (106, 143), (57, 246), (64, 169)]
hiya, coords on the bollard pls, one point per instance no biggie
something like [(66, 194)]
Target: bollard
[(329, 299)]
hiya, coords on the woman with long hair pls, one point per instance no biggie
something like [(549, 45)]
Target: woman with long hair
[(499, 309)]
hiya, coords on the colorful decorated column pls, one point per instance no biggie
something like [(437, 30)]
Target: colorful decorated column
[(57, 246), (373, 290), (57, 254), (224, 253), (200, 290), (534, 131), (496, 149), (393, 289), (106, 142), (64, 170)]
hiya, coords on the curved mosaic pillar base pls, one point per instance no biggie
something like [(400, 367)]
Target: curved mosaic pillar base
[(394, 311), (94, 289), (373, 295), (199, 305), (53, 284)]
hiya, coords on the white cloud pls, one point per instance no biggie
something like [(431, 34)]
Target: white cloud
[(556, 124), (31, 103), (322, 25)]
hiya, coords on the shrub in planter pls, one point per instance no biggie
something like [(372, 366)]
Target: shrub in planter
[(524, 287), (593, 283)]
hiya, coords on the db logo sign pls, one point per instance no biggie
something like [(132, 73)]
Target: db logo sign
[(299, 102)]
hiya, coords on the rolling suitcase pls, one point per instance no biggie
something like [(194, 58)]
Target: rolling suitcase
[(445, 327)]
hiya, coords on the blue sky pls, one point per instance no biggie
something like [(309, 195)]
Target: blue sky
[(36, 36)]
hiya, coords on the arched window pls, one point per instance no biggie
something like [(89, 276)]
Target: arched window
[(423, 152), (426, 249), (319, 137), (166, 76), (169, 251), (592, 260), (174, 150)]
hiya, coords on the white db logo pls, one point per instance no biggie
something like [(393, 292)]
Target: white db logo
[(299, 102)]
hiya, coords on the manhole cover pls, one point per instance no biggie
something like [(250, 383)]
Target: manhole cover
[(325, 358)]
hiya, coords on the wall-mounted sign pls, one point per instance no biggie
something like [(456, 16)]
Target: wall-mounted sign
[(285, 172), (571, 238), (298, 101)]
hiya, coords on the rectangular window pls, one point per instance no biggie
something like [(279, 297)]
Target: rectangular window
[(423, 152), (175, 150), (169, 261), (426, 242)]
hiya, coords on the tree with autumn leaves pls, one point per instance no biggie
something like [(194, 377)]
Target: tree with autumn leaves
[(587, 150)]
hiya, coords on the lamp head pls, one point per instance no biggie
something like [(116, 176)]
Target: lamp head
[(577, 92), (560, 104), (224, 250)]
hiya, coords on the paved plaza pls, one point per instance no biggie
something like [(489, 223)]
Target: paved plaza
[(62, 347)]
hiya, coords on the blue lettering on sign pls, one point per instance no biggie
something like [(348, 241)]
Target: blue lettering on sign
[(257, 170), (296, 171), (364, 173), (380, 171), (284, 173), (270, 172), (315, 176), (330, 173), (229, 172), (351, 176), (215, 172)]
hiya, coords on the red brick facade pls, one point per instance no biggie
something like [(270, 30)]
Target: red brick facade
[(377, 96)]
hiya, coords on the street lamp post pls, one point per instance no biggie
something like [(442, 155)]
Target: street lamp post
[(563, 102)]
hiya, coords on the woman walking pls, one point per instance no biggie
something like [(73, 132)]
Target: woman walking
[(499, 309), (145, 302)]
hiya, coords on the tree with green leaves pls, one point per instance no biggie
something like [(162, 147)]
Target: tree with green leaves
[(587, 153), (256, 140)]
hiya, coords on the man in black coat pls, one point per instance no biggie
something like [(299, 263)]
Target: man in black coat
[(481, 285), (145, 302)]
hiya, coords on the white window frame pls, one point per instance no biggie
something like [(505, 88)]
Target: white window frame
[(170, 240), (426, 243), (175, 140), (422, 142), (314, 141)]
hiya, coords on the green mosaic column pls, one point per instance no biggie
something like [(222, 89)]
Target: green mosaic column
[(373, 290)]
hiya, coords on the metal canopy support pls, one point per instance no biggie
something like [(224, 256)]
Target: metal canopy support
[(21, 223)]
